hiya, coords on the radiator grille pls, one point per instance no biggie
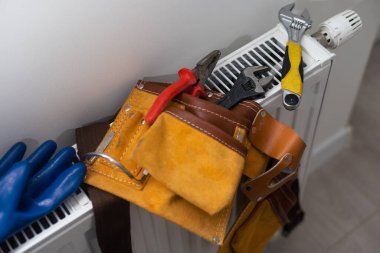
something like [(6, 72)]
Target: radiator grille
[(59, 215), (269, 53)]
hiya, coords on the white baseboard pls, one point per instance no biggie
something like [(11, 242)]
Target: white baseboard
[(327, 149)]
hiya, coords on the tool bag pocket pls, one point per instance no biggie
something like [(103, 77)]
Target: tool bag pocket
[(193, 158), (187, 165)]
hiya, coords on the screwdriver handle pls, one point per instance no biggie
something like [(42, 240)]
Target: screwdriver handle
[(292, 74), (186, 79)]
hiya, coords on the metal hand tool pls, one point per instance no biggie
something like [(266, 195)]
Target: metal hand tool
[(247, 86), (188, 78), (292, 69)]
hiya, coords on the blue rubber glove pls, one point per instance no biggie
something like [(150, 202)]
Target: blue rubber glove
[(32, 188)]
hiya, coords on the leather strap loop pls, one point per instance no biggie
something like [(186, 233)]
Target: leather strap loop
[(262, 186), (277, 141)]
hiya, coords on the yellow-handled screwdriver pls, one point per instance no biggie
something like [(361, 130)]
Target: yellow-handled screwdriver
[(292, 68)]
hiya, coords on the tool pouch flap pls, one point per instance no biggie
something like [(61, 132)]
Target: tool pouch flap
[(189, 156)]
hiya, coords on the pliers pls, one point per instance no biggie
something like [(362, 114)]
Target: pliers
[(189, 79)]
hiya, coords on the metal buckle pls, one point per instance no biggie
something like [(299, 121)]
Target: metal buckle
[(260, 187), (91, 156), (117, 164)]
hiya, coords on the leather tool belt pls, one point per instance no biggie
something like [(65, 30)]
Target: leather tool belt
[(188, 165)]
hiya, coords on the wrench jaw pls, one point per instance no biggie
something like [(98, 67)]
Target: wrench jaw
[(254, 71), (266, 82), (306, 16), (259, 70), (206, 65), (295, 25), (287, 10), (261, 84), (285, 16), (248, 85)]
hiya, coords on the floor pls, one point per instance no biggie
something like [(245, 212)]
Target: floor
[(342, 199)]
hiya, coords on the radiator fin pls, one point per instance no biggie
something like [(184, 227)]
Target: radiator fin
[(269, 53), (38, 227)]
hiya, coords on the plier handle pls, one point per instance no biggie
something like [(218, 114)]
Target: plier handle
[(188, 78)]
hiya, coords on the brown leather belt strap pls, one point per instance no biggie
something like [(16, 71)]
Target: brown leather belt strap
[(295, 214), (111, 213), (112, 221), (277, 141)]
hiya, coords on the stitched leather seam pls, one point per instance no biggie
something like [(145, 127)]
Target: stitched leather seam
[(219, 222), (112, 177), (219, 227), (116, 129), (242, 102), (203, 109), (219, 115), (251, 102), (128, 145), (206, 132), (149, 91), (255, 106), (256, 117), (246, 102), (247, 106), (228, 212)]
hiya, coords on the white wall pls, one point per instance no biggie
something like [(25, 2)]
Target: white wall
[(68, 63)]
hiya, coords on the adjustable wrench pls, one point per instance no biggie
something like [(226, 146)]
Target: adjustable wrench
[(187, 79), (292, 69), (247, 86)]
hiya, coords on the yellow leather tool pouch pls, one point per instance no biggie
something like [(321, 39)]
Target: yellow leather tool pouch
[(187, 166)]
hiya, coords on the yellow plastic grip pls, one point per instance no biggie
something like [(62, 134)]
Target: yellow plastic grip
[(292, 70)]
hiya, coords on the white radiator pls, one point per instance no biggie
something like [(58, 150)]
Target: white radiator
[(74, 231)]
